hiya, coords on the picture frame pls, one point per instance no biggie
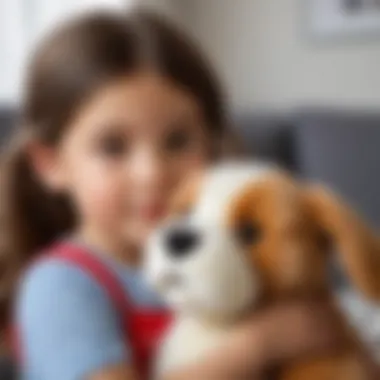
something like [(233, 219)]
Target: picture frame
[(342, 19)]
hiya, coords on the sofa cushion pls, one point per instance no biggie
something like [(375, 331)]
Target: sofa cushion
[(342, 150), (8, 119), (268, 137)]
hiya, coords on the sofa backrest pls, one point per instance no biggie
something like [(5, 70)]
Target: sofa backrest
[(8, 119), (267, 137), (340, 149)]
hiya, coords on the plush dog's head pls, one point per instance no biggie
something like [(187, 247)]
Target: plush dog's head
[(241, 233)]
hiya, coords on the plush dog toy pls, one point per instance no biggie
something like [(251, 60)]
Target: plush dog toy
[(242, 235)]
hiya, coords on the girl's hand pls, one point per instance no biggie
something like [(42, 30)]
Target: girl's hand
[(292, 331), (273, 336)]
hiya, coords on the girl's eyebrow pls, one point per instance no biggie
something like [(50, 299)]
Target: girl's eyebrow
[(111, 128), (186, 116)]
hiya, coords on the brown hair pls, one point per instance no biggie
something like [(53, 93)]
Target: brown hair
[(69, 66)]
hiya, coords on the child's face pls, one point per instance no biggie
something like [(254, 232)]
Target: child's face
[(126, 151)]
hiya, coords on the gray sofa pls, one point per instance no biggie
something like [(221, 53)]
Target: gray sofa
[(335, 147), (340, 148)]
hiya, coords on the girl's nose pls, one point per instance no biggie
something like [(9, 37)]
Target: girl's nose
[(148, 169)]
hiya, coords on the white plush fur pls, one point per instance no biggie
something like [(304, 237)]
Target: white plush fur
[(213, 285)]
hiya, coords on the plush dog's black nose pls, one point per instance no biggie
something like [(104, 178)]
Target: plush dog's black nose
[(182, 242)]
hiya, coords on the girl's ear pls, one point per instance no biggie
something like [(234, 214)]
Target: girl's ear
[(47, 165), (356, 244)]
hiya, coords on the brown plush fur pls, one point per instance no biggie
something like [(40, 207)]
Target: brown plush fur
[(298, 227)]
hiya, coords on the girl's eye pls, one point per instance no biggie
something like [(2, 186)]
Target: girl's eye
[(177, 141), (247, 233), (113, 146)]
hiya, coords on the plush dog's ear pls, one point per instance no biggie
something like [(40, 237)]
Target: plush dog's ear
[(357, 246)]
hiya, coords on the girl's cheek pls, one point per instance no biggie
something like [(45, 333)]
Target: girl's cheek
[(100, 194), (136, 233), (184, 166)]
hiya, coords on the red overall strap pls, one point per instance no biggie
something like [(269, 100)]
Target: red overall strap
[(141, 327), (104, 276), (93, 266)]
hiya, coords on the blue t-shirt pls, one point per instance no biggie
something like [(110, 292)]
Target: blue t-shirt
[(68, 325)]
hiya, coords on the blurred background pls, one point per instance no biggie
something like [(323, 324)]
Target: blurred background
[(272, 54), (302, 79)]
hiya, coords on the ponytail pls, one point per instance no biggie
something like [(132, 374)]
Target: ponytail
[(31, 218)]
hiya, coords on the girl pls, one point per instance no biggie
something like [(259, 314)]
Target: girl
[(118, 110)]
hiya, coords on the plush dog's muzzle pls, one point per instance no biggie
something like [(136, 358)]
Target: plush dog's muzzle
[(200, 268)]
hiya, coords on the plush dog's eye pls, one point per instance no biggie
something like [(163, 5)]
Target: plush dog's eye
[(248, 233)]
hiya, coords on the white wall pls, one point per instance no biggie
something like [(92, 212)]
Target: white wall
[(23, 23), (175, 9), (266, 60)]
